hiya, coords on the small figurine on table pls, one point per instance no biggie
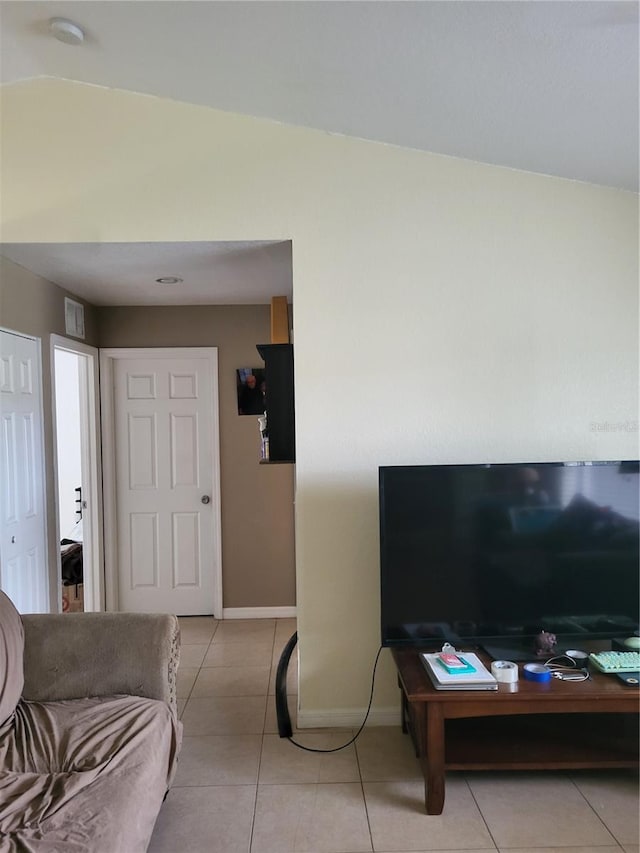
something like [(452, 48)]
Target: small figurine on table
[(545, 644)]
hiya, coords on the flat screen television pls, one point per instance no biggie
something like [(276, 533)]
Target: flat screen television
[(492, 555)]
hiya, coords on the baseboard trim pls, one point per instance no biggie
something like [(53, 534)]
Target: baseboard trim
[(346, 718), (259, 613)]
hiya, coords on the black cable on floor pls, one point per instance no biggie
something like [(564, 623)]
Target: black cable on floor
[(282, 708)]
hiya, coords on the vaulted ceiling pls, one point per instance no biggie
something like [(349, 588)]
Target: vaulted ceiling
[(548, 87)]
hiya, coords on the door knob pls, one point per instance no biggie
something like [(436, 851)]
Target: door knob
[(205, 499)]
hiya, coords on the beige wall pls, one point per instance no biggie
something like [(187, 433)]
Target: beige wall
[(34, 306), (444, 311), (258, 567)]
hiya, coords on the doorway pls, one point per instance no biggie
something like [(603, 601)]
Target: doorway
[(77, 465)]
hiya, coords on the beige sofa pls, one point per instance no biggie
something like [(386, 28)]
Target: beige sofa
[(89, 734)]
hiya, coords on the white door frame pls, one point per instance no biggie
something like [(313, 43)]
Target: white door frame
[(93, 544), (107, 359), (52, 593)]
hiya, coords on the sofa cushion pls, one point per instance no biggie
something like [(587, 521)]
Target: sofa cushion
[(86, 774), (11, 659)]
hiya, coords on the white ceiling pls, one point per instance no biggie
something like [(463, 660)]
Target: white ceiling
[(548, 86), (125, 273)]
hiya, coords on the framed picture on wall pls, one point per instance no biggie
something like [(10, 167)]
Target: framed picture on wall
[(251, 389)]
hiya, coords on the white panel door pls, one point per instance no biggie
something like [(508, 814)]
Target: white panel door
[(23, 550), (166, 498)]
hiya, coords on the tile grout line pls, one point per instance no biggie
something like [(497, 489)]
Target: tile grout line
[(264, 723), (186, 701), (201, 667), (484, 820), (364, 798), (579, 790)]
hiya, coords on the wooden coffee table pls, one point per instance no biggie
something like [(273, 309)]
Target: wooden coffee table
[(529, 725)]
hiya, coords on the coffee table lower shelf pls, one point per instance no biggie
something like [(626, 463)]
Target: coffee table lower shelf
[(546, 742)]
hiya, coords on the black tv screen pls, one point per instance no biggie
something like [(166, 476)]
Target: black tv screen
[(488, 553)]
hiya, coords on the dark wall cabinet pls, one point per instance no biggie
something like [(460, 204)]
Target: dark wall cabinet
[(278, 361)]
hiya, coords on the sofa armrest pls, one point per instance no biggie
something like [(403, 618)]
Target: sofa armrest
[(75, 655)]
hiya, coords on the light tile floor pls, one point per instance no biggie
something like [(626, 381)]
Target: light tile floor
[(242, 789)]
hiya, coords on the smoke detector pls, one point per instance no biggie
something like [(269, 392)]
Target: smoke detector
[(66, 31)]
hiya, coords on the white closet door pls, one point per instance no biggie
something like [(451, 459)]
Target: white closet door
[(165, 492), (23, 550)]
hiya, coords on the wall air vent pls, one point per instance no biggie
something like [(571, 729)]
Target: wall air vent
[(73, 318)]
